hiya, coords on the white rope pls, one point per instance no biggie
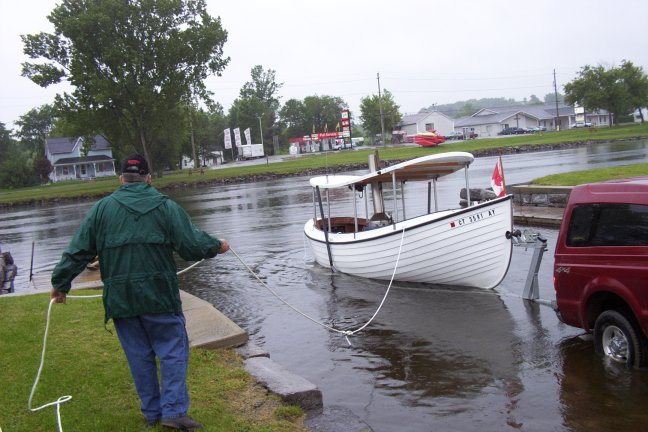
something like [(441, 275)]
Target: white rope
[(62, 399), (65, 398), (346, 333)]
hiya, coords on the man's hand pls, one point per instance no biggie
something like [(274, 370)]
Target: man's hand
[(58, 296), (224, 247)]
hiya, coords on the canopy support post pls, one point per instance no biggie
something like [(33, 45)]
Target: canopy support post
[(355, 210), (394, 220), (324, 228), (467, 185), (403, 199)]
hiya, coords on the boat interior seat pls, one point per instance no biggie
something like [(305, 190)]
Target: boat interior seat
[(378, 220)]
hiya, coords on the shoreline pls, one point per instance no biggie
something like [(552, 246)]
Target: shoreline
[(530, 148)]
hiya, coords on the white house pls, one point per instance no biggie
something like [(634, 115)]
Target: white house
[(489, 122), (637, 115), (427, 120), (209, 160), (69, 164)]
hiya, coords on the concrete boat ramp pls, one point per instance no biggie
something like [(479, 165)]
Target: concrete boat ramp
[(208, 328)]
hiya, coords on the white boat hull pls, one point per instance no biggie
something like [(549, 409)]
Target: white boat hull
[(463, 247)]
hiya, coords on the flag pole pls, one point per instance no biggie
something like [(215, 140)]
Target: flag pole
[(501, 167)]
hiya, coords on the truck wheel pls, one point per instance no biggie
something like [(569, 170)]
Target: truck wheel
[(619, 339)]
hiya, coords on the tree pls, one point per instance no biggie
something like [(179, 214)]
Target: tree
[(550, 99), (133, 65), (42, 167), (263, 86), (370, 113), (534, 100), (207, 127), (314, 113), (35, 127), (598, 88), (292, 118), (257, 103), (466, 110), (636, 83), (14, 164)]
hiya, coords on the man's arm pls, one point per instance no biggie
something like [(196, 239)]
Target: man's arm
[(79, 253), (188, 241)]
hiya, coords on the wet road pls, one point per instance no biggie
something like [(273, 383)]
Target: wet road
[(435, 358)]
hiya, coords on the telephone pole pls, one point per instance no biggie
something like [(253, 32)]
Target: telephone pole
[(382, 123), (556, 97)]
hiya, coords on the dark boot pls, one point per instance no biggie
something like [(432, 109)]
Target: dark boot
[(182, 423)]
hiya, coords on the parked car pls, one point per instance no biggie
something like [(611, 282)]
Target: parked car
[(581, 125), (600, 267), (454, 135), (538, 129), (512, 131)]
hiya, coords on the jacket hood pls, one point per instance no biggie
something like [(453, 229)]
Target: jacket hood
[(139, 198)]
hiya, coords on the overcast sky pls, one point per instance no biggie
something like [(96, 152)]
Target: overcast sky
[(426, 51)]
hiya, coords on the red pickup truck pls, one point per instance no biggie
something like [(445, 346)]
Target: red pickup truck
[(601, 267)]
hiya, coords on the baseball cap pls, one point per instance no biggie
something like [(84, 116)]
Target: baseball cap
[(135, 164)]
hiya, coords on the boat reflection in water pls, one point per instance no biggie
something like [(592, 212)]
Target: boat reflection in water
[(447, 353)]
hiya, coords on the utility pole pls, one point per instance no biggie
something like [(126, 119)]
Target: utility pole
[(382, 123), (260, 129), (193, 141), (556, 97)]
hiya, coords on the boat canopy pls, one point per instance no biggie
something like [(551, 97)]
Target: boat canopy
[(425, 168)]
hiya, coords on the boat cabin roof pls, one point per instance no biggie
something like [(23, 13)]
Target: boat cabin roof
[(424, 168)]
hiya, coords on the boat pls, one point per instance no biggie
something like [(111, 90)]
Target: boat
[(428, 138), (467, 246)]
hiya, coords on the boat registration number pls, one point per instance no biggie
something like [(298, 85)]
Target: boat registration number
[(472, 218)]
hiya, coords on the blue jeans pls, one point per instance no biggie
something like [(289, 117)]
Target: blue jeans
[(163, 335)]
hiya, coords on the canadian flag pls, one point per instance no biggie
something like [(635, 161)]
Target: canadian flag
[(497, 182)]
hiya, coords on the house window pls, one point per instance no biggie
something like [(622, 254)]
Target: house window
[(65, 170), (429, 126), (83, 170)]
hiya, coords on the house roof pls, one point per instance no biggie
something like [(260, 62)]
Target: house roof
[(410, 119), (67, 145), (87, 159), (497, 115)]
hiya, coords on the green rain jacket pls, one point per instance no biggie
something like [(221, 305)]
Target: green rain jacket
[(135, 231)]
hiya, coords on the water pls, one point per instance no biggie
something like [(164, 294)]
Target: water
[(435, 358)]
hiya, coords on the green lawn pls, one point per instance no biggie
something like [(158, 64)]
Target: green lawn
[(100, 187), (594, 175), (84, 360)]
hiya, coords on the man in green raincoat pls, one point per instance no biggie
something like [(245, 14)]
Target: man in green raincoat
[(135, 231)]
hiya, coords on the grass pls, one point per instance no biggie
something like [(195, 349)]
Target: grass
[(594, 175), (306, 163), (86, 361)]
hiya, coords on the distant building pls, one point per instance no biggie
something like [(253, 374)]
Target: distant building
[(69, 164), (637, 116), (489, 122), (426, 120)]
